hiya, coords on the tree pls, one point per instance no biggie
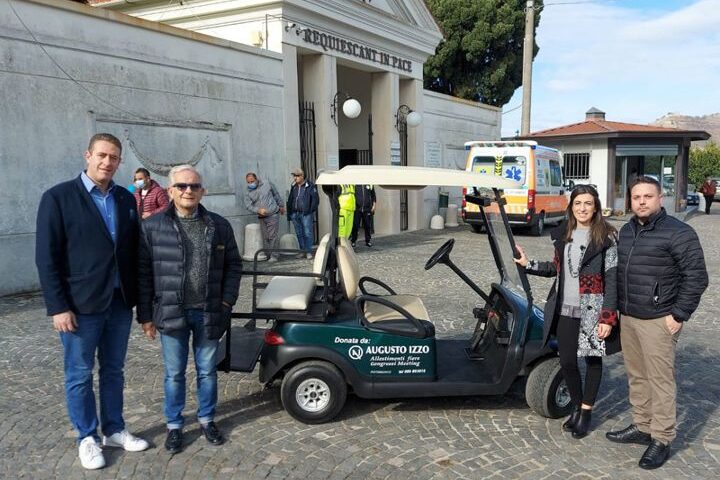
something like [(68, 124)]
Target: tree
[(481, 56), (704, 162)]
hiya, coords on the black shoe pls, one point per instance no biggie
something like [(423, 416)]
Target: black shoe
[(572, 420), (630, 434), (352, 244), (212, 434), (583, 424), (655, 455), (174, 440)]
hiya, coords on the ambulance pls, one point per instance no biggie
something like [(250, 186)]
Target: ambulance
[(540, 200)]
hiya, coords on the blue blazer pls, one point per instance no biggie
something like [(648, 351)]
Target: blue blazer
[(75, 255)]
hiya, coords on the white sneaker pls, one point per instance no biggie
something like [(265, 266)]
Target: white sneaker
[(309, 256), (272, 260), (126, 440), (91, 456)]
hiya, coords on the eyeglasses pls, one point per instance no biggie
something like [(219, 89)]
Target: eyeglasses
[(296, 175), (184, 186)]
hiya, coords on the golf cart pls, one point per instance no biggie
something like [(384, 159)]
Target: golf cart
[(329, 335)]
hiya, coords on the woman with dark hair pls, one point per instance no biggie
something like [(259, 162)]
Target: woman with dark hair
[(581, 307)]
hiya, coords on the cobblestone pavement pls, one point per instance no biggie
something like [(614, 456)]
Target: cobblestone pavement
[(473, 438)]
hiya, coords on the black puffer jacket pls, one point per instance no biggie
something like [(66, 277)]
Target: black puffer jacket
[(161, 272), (661, 268)]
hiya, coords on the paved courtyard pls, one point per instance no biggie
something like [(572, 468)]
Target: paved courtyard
[(443, 438)]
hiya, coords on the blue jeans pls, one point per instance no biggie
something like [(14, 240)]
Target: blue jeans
[(107, 334), (175, 357), (304, 230)]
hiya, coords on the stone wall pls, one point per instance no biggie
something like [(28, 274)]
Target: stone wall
[(448, 123), (172, 96)]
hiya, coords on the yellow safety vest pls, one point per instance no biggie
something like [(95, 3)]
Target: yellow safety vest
[(347, 197)]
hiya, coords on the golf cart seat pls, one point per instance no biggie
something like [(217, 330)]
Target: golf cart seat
[(295, 293), (383, 311)]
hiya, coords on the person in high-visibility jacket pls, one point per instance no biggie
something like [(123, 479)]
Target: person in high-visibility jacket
[(347, 210)]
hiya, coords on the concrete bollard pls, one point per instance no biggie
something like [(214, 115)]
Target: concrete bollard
[(253, 242), (437, 222), (451, 216), (289, 242)]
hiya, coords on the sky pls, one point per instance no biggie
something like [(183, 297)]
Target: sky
[(636, 60)]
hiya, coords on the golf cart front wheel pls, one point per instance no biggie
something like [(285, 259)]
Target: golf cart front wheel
[(313, 392), (546, 391)]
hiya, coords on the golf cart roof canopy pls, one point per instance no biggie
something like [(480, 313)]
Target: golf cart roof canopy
[(412, 177)]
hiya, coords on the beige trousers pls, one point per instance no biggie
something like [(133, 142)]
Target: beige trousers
[(649, 351)]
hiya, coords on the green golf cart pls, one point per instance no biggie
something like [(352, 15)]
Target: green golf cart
[(328, 335)]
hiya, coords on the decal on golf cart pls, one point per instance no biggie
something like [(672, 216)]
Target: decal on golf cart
[(391, 359)]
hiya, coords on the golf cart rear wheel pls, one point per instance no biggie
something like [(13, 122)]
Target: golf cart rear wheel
[(313, 392), (546, 392), (477, 227)]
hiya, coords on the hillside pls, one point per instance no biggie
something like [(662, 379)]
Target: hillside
[(709, 123)]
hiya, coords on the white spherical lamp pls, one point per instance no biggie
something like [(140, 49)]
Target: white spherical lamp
[(413, 119), (351, 108)]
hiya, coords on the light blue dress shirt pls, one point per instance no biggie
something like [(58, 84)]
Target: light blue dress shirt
[(105, 203)]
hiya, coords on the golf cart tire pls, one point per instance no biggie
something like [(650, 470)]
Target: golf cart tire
[(477, 227), (545, 390), (313, 392)]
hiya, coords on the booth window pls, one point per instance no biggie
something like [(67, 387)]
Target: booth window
[(577, 166)]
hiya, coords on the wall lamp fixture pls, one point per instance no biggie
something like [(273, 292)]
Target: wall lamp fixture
[(350, 107), (408, 116)]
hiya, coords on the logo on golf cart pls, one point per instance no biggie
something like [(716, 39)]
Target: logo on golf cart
[(355, 352)]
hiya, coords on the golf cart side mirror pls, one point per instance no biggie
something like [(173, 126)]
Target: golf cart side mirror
[(569, 185)]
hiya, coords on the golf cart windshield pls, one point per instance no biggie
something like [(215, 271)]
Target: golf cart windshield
[(502, 243), (393, 177), (396, 177)]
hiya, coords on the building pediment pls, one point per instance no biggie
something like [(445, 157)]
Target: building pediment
[(406, 26), (407, 23)]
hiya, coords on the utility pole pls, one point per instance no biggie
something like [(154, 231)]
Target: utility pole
[(528, 48)]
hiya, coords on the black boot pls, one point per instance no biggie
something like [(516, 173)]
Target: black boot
[(583, 424), (569, 424)]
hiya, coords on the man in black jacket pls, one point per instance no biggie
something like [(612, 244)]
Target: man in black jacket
[(86, 256), (365, 201), (661, 277), (302, 204), (189, 277)]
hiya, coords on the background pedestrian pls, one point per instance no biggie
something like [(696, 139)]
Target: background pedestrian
[(263, 199), (302, 204)]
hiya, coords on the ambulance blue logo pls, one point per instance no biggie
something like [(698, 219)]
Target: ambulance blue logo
[(513, 173)]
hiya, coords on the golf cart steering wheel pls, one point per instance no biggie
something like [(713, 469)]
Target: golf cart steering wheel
[(441, 254)]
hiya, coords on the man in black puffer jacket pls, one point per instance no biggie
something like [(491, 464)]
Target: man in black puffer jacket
[(661, 277), (188, 281)]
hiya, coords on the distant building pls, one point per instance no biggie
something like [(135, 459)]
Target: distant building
[(610, 154)]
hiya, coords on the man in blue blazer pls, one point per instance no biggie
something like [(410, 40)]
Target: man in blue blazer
[(86, 256)]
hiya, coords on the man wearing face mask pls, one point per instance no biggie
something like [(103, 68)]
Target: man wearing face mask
[(150, 197), (263, 199)]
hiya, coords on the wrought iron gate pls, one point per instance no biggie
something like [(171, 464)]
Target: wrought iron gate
[(308, 152), (403, 129)]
